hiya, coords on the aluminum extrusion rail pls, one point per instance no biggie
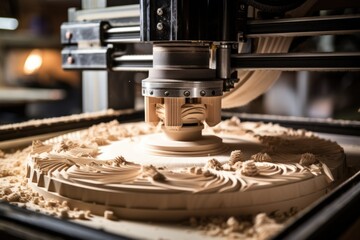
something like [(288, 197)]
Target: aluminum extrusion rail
[(111, 34), (122, 34), (346, 61), (132, 63), (305, 26), (291, 27), (285, 62)]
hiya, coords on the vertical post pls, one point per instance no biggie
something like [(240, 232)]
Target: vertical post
[(94, 91), (94, 83), (302, 86)]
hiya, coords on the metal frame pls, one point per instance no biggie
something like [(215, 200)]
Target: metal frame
[(116, 60), (330, 217), (19, 223), (305, 26), (345, 61), (326, 219)]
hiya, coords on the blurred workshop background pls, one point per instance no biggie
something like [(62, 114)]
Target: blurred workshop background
[(33, 84)]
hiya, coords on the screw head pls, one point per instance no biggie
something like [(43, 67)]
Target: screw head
[(186, 93), (159, 26), (106, 26), (159, 12), (166, 93), (151, 92), (68, 35), (70, 60), (202, 93)]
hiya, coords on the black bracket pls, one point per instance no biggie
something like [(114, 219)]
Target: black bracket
[(241, 21)]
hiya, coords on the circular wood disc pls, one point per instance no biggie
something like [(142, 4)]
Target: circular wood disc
[(275, 169), (160, 144)]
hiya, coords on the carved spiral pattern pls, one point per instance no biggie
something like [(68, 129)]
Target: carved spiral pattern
[(188, 112), (129, 176), (75, 163)]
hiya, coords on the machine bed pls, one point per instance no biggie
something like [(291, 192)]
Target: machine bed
[(336, 214)]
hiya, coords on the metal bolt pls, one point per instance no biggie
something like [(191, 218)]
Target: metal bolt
[(159, 12), (166, 93), (202, 93), (159, 26), (106, 26), (70, 60), (151, 92), (68, 35), (187, 93)]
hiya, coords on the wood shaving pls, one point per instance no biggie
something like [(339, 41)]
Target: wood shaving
[(109, 215), (236, 156), (2, 154), (213, 164), (261, 157), (152, 172), (307, 159), (14, 186), (261, 226), (249, 168)]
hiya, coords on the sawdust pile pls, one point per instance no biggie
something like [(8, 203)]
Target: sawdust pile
[(260, 226), (14, 189)]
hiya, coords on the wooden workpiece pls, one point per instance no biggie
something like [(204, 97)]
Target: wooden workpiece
[(260, 168)]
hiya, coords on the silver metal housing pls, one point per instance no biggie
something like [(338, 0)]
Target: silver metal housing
[(181, 70)]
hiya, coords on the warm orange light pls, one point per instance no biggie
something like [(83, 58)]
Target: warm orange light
[(33, 62)]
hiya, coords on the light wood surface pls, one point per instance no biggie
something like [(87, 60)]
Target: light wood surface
[(123, 177)]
